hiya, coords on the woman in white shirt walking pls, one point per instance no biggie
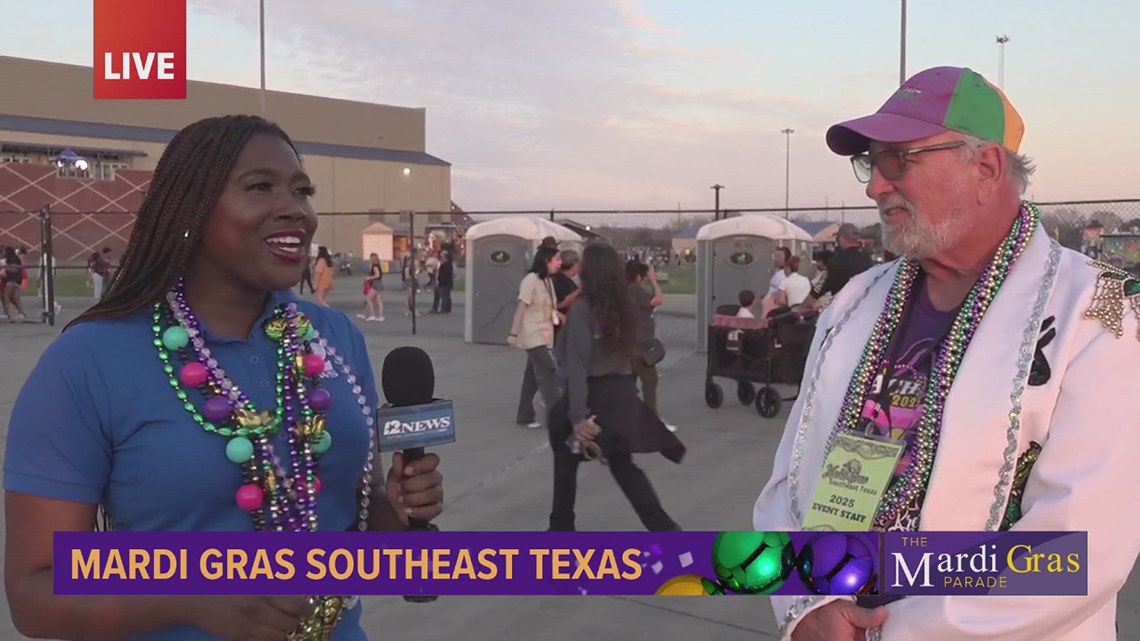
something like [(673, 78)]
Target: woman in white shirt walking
[(533, 331)]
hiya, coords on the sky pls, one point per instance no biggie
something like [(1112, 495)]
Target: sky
[(645, 104)]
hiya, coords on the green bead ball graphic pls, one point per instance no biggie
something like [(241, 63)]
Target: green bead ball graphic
[(752, 562)]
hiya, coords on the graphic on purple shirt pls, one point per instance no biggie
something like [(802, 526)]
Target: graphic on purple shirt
[(906, 391)]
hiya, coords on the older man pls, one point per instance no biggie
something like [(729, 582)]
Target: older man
[(997, 366)]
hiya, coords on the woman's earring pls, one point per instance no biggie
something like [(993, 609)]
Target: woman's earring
[(186, 235)]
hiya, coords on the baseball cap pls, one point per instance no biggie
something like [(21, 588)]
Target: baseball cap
[(932, 102), (847, 230)]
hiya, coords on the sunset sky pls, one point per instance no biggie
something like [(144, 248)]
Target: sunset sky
[(624, 104)]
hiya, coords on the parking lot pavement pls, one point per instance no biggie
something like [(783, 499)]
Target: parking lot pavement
[(498, 478)]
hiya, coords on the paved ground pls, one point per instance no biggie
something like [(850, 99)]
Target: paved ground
[(497, 478)]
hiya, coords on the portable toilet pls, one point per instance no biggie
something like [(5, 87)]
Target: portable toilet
[(736, 254), (499, 253)]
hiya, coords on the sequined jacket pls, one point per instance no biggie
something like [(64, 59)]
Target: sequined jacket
[(1039, 433)]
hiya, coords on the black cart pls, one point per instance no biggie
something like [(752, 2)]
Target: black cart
[(741, 349)]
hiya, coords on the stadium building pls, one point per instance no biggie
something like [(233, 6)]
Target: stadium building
[(91, 160)]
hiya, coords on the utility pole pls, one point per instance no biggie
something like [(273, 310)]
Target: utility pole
[(1001, 40), (787, 171), (261, 34), (716, 188), (902, 45)]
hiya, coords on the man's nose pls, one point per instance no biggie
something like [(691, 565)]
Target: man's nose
[(877, 186)]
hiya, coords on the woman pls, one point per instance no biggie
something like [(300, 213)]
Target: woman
[(595, 350), (533, 330), (325, 274), (14, 280), (128, 408), (374, 290)]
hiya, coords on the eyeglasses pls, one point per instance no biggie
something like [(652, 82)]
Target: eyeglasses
[(893, 163)]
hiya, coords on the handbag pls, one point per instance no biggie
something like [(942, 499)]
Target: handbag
[(652, 352)]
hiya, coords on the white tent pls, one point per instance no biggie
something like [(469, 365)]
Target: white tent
[(763, 225), (735, 254), (499, 253), (528, 227)]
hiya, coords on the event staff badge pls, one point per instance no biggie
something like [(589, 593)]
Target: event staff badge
[(854, 478)]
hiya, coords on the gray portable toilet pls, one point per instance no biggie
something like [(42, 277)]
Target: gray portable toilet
[(499, 253), (736, 254)]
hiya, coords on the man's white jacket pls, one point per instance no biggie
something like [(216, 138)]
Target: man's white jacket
[(1040, 377)]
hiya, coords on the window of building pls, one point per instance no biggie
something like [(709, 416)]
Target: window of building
[(105, 170)]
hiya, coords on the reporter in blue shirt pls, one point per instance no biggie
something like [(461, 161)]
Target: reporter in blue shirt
[(198, 394)]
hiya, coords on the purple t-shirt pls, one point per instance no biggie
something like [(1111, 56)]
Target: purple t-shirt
[(902, 405)]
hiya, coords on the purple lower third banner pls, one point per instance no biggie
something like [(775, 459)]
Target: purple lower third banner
[(569, 563)]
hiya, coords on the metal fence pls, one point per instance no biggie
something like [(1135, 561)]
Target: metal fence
[(66, 239), (1110, 213)]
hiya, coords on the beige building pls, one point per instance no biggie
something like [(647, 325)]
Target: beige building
[(369, 161)]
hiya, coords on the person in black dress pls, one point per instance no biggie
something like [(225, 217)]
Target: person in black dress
[(594, 350)]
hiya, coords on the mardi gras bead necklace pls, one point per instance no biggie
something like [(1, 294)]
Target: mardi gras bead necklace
[(906, 488), (278, 496), (300, 406)]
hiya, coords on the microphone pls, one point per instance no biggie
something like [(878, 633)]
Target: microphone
[(413, 418)]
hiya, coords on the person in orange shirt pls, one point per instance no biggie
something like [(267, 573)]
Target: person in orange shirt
[(325, 274)]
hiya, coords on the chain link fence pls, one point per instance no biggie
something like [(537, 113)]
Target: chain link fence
[(1105, 229)]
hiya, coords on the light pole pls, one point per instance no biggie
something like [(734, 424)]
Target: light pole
[(902, 45), (1001, 40), (407, 173), (261, 36), (716, 203), (787, 170)]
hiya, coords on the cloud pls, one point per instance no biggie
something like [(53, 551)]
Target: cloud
[(541, 104)]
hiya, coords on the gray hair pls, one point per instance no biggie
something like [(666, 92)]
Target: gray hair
[(569, 259), (1021, 167)]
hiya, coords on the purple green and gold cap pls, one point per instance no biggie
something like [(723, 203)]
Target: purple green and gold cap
[(930, 103)]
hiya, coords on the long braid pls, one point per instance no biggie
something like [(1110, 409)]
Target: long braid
[(187, 182)]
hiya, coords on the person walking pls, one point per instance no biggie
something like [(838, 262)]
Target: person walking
[(595, 350), (533, 331)]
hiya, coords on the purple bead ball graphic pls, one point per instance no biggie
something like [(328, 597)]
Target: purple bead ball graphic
[(835, 563)]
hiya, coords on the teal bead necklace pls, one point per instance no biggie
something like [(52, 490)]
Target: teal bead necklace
[(276, 497)]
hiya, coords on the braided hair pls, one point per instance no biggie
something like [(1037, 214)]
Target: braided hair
[(187, 182)]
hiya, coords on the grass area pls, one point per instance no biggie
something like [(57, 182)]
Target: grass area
[(682, 280), (69, 283)]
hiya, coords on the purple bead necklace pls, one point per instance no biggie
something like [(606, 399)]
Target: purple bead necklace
[(277, 496), (906, 488)]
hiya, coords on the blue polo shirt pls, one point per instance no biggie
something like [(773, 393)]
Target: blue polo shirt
[(97, 422)]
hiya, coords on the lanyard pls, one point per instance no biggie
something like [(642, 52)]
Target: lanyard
[(882, 401)]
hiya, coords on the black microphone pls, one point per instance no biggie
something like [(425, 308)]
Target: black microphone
[(413, 418)]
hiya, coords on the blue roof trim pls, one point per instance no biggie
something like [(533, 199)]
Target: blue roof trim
[(688, 232), (813, 227), (77, 128)]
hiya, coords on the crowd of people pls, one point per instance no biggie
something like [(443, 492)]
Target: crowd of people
[(431, 270), (793, 297)]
